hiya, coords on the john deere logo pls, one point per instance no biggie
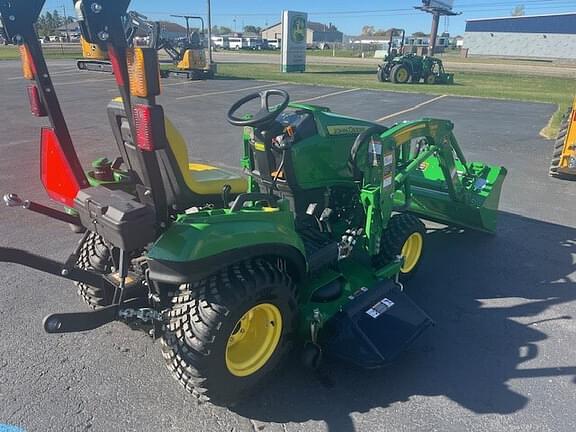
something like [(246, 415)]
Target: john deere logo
[(298, 30)]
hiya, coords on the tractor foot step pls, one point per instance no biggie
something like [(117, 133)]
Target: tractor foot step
[(80, 321)]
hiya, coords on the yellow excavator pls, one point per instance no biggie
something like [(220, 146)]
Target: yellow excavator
[(188, 56), (189, 59), (96, 59), (563, 163), (93, 58)]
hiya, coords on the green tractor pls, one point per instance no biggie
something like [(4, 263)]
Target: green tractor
[(311, 250), (401, 68)]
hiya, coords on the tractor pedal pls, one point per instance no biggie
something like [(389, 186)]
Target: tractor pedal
[(80, 321), (133, 284)]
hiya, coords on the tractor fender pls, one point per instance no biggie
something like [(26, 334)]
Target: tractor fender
[(187, 252)]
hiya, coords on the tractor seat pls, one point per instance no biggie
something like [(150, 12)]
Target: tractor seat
[(201, 178), (190, 181)]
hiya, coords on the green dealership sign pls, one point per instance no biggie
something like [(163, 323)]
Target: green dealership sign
[(294, 35)]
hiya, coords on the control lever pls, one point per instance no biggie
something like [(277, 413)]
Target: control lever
[(14, 201)]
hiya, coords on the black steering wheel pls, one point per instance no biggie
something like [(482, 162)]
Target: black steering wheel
[(264, 116), (358, 144)]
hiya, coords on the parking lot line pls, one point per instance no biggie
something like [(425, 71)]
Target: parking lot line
[(182, 83), (115, 90), (63, 72), (328, 95), (414, 108), (57, 84), (231, 91)]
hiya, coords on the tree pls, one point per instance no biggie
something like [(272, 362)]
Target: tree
[(519, 10), (252, 29), (221, 30), (379, 32), (368, 30), (49, 22), (57, 19)]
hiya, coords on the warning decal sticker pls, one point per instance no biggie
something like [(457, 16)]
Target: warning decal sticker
[(380, 307)]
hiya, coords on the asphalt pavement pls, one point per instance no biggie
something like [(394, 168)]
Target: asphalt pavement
[(500, 358)]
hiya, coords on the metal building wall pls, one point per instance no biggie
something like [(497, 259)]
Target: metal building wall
[(545, 24), (536, 45)]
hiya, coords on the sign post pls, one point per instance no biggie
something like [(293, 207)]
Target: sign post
[(438, 8), (294, 40)]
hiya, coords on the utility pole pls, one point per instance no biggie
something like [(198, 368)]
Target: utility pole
[(434, 31), (65, 21), (210, 57)]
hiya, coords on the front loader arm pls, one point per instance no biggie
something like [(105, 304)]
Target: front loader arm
[(441, 143), (431, 176)]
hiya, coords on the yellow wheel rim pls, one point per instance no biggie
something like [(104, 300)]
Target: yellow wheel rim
[(402, 75), (411, 251), (253, 340)]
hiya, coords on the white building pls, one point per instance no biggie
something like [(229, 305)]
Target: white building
[(539, 36), (317, 35)]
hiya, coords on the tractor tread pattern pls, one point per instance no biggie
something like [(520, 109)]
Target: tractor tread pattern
[(400, 227), (394, 72), (94, 255), (559, 148), (197, 318)]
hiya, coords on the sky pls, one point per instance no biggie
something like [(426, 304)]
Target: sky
[(347, 15)]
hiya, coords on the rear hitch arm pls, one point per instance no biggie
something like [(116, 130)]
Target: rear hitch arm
[(47, 265), (75, 321), (14, 201)]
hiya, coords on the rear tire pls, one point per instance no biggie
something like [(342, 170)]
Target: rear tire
[(400, 74), (200, 344), (404, 236), (95, 256)]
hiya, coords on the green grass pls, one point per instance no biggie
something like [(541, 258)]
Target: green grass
[(558, 91), (340, 53), (12, 53)]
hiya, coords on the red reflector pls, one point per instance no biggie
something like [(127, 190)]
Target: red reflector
[(57, 176), (36, 105), (115, 60), (143, 124)]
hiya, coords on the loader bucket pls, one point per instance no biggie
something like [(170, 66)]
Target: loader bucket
[(474, 206)]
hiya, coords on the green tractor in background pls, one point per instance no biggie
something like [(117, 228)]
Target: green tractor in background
[(311, 249), (401, 68)]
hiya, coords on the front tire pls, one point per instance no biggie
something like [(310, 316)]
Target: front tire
[(230, 330), (404, 237), (431, 79)]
